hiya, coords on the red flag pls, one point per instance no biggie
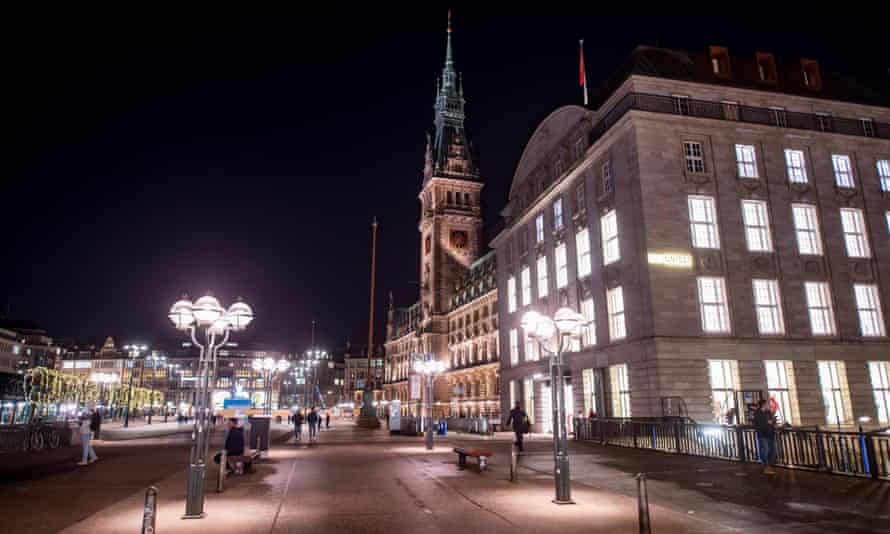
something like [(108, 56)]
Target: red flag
[(582, 74)]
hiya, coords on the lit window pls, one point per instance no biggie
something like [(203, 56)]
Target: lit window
[(514, 347), (843, 170), (768, 307), (835, 395), (724, 382), (607, 177), (880, 383), (703, 222), (609, 229), (782, 391), (820, 310), (531, 347), (539, 228), (588, 331), (615, 303), (712, 304), (756, 220), (806, 225), (695, 159), (589, 385), (868, 306), (562, 270), (526, 278), (853, 225), (883, 167), (746, 160), (582, 245), (513, 394), (796, 166), (528, 395), (621, 391), (511, 294), (543, 282), (557, 214)]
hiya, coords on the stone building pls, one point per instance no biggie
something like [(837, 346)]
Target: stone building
[(723, 224), (453, 319)]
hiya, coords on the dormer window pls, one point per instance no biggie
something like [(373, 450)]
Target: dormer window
[(766, 67), (812, 78), (720, 62)]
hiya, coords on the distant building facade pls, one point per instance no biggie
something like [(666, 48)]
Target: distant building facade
[(723, 225)]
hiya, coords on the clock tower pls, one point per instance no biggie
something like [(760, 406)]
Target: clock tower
[(451, 216)]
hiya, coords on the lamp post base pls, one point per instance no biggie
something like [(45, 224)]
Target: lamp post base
[(557, 501), (194, 499), (367, 417)]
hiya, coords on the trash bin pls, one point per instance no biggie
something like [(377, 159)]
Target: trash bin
[(260, 431), (443, 427)]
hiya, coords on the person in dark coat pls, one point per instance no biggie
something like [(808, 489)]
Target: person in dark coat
[(298, 425), (765, 425), (313, 419), (234, 444), (519, 420), (327, 420), (96, 423)]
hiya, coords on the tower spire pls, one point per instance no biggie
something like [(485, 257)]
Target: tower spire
[(448, 58)]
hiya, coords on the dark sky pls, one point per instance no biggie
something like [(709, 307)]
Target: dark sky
[(152, 153)]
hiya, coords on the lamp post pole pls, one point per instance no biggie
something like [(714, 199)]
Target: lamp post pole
[(429, 368), (216, 324), (133, 356), (565, 324)]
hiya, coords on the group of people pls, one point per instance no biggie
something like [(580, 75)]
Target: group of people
[(314, 419)]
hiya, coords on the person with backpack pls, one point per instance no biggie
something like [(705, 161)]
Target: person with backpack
[(519, 419)]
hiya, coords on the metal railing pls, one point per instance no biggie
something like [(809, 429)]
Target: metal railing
[(36, 436), (863, 454), (472, 425), (736, 113)]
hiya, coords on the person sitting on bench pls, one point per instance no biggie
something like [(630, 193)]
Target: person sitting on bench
[(234, 444)]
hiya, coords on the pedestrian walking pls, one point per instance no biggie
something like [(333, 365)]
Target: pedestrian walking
[(327, 420), (519, 419), (312, 419), (96, 423), (298, 425), (765, 425), (86, 433)]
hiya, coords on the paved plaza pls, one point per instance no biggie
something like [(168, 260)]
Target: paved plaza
[(363, 481)]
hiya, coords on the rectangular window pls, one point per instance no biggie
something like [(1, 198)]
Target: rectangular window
[(777, 117), (609, 229), (768, 306), (562, 270), (582, 246), (712, 304), (588, 330), (607, 178), (557, 214), (523, 240), (880, 383), (806, 225), (528, 392), (681, 104), (531, 347), (695, 159), (580, 199), (543, 282), (756, 220), (835, 394), (557, 168), (868, 127), (746, 161), (883, 167), (820, 309), (620, 391), (843, 170), (579, 148), (514, 347), (796, 166), (824, 122), (730, 110), (855, 237), (781, 389), (589, 385), (703, 222), (526, 277), (511, 294), (724, 383), (539, 228), (513, 393), (868, 306), (615, 303)]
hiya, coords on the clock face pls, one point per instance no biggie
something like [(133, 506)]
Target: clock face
[(459, 239)]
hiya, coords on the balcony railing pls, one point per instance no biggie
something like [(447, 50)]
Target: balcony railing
[(737, 113), (861, 454)]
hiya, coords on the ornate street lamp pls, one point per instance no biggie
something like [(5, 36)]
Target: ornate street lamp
[(565, 325), (206, 317), (429, 368), (269, 367)]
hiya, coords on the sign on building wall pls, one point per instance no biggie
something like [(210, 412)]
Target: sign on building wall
[(671, 259)]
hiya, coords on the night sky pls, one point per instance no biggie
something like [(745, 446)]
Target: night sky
[(148, 154)]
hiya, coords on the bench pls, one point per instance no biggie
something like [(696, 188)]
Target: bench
[(481, 455), (246, 459)]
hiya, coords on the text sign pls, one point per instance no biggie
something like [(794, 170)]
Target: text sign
[(671, 259)]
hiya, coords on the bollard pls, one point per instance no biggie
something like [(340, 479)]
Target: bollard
[(150, 511), (643, 504), (221, 477), (513, 461)]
